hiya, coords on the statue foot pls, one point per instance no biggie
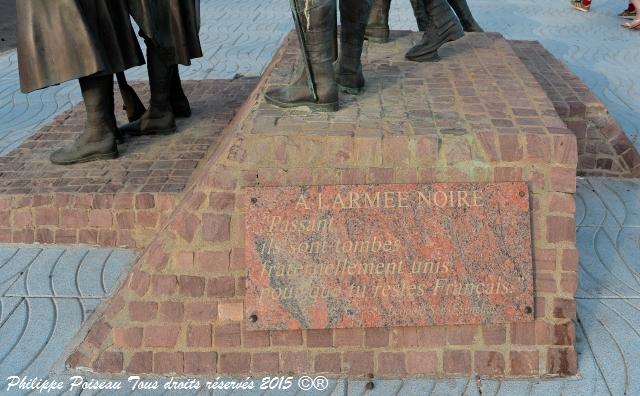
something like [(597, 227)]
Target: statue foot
[(351, 83), (151, 123), (181, 107), (427, 49), (297, 94), (92, 145), (283, 97)]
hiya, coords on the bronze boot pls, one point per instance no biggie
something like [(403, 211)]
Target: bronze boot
[(461, 8), (442, 26), (353, 22), (378, 26), (159, 118), (317, 21), (98, 140), (420, 12), (179, 102)]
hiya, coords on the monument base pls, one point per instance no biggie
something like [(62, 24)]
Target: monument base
[(477, 116)]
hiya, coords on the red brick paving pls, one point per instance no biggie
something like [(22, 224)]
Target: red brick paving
[(468, 118), (121, 202), (603, 147)]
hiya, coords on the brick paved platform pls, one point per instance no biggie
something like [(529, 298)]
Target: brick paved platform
[(111, 203), (477, 116), (603, 147)]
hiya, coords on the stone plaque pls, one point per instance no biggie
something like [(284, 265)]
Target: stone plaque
[(388, 255)]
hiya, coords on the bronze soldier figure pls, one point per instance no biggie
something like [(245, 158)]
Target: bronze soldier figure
[(89, 40), (317, 83), (424, 11), (170, 29)]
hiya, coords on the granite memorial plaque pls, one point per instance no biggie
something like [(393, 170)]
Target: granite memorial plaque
[(388, 255)]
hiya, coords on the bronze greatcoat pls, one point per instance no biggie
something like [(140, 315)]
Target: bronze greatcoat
[(61, 40), (172, 26)]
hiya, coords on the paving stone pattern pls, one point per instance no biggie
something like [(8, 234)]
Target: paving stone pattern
[(46, 294)]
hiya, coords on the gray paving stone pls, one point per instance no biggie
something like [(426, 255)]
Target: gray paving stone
[(590, 209), (509, 388), (621, 199), (80, 272), (612, 336), (16, 260), (46, 294), (603, 272)]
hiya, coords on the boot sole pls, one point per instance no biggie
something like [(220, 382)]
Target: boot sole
[(433, 56), (168, 131), (91, 158), (320, 107)]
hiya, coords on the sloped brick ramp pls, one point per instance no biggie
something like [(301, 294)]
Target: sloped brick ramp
[(603, 147)]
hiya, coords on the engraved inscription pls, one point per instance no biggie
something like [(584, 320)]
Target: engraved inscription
[(343, 256)]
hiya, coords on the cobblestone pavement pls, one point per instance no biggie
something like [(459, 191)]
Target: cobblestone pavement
[(240, 37)]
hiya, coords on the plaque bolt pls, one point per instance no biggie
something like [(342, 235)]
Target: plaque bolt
[(253, 318), (528, 309), (254, 200), (521, 193), (369, 385)]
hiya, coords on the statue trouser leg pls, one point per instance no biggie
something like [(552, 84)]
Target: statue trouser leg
[(443, 26), (179, 102), (159, 118), (378, 26), (420, 13), (463, 12), (353, 22), (98, 140), (317, 20)]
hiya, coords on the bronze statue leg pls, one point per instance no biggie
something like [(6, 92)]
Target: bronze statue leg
[(179, 102), (317, 21), (463, 12), (98, 140), (420, 12), (378, 26), (159, 118), (353, 22), (442, 27)]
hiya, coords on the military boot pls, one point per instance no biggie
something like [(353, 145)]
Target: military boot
[(442, 26), (179, 102), (159, 118), (353, 22), (378, 26), (317, 19), (420, 12), (98, 140), (463, 12)]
